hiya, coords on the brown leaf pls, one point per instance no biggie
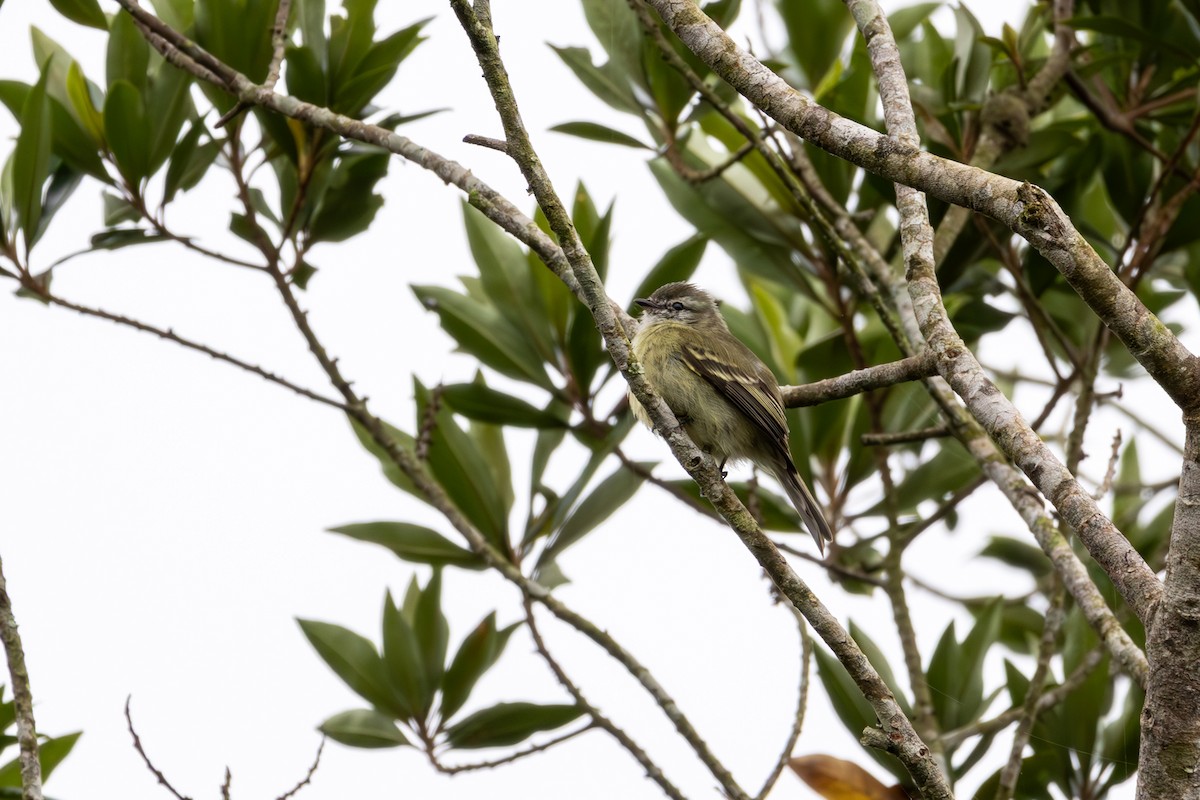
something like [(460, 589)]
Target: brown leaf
[(835, 779)]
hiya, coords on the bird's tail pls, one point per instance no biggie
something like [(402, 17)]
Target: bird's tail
[(805, 504)]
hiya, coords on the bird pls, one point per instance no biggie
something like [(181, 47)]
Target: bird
[(724, 396)]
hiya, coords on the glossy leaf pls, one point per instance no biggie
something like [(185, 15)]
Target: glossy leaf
[(402, 659), (51, 753), (678, 264), (507, 281), (377, 68), (481, 402), (599, 133), (608, 497), (128, 53), (605, 82), (127, 128), (63, 183), (169, 95), (31, 160), (508, 723), (457, 461), (116, 238), (851, 707), (363, 728), (476, 654), (413, 543), (353, 659), (880, 663), (432, 630), (350, 202), (84, 12), (481, 331), (189, 161)]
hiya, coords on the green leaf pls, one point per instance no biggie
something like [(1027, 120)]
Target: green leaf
[(851, 707), (179, 14), (127, 128), (880, 663), (189, 161), (817, 31), (353, 659), (402, 658), (508, 723), (678, 264), (508, 281), (481, 402), (84, 12), (478, 652), (350, 202), (128, 53), (611, 494), (63, 183), (413, 543), (311, 16), (390, 470), (80, 97), (116, 238), (1019, 554), (432, 630), (606, 82), (377, 69), (363, 728), (51, 752), (456, 460), (596, 132), (305, 80), (483, 332), (169, 95), (31, 160), (955, 672)]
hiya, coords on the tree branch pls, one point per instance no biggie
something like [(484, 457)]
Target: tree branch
[(653, 771), (1033, 214), (912, 752), (1025, 209), (27, 738), (912, 368)]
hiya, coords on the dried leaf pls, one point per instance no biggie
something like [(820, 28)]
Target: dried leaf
[(836, 779)]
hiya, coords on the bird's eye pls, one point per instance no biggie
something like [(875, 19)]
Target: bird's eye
[(677, 306)]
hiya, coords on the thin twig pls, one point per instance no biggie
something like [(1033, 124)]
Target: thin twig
[(486, 141), (806, 652), (1111, 472), (905, 437), (667, 486), (137, 745), (170, 335), (1037, 686), (954, 738), (307, 779), (30, 765), (454, 769), (653, 771), (279, 40), (832, 567)]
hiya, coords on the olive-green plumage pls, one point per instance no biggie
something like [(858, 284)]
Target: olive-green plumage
[(723, 395)]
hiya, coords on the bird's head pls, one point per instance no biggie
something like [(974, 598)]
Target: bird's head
[(680, 302)]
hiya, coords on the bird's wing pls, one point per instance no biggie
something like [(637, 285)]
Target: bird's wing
[(739, 378)]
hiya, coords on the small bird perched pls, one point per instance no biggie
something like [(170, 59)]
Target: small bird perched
[(723, 395)]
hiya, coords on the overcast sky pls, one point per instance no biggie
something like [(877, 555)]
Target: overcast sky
[(163, 515)]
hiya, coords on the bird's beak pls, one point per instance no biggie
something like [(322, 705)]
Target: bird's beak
[(644, 303)]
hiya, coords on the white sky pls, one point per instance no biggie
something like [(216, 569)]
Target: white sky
[(163, 514)]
